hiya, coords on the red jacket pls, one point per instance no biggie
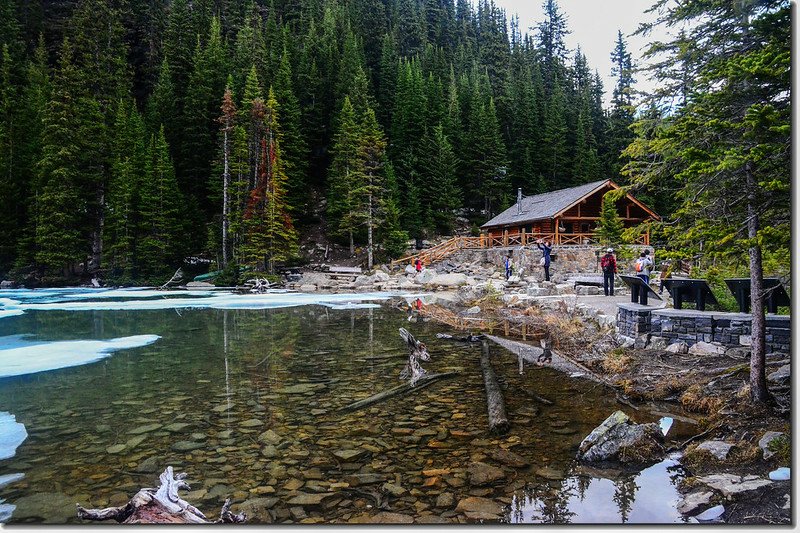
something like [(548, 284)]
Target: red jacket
[(609, 260)]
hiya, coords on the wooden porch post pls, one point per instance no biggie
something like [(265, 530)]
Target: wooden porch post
[(505, 237), (557, 239), (522, 237)]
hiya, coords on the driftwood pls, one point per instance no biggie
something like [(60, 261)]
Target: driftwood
[(405, 388), (417, 351), (177, 276), (496, 406), (469, 338), (161, 506)]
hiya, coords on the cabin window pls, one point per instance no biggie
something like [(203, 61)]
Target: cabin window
[(585, 227), (568, 227)]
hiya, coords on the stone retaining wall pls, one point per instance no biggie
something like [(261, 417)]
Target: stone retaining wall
[(690, 326), (567, 259)]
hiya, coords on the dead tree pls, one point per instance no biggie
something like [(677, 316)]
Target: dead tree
[(161, 506), (495, 404), (417, 351)]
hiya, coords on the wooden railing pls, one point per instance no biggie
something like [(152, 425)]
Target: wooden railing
[(454, 244)]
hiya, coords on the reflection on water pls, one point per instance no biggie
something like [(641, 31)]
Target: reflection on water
[(245, 401), (648, 496)]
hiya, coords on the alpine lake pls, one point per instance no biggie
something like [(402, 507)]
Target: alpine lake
[(247, 403)]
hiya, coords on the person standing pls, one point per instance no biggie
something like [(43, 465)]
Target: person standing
[(418, 265), (643, 266), (508, 266), (546, 247), (609, 265)]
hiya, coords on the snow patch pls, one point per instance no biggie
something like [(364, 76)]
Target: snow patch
[(12, 433), (32, 357)]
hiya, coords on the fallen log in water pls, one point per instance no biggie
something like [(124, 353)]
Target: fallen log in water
[(161, 506), (496, 406), (405, 388)]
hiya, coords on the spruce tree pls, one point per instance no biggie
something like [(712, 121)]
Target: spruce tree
[(609, 227), (270, 236), (293, 142), (162, 226), (341, 209), (441, 195)]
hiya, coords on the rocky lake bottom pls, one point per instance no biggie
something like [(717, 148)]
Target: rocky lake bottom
[(247, 403)]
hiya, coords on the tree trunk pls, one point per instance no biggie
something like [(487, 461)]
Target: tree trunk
[(758, 378), (226, 179), (352, 246), (369, 234), (405, 388), (495, 404), (97, 234)]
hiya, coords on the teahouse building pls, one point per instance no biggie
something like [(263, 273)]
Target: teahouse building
[(565, 216)]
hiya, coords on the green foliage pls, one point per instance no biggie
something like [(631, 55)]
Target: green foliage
[(782, 448), (610, 226), (230, 276)]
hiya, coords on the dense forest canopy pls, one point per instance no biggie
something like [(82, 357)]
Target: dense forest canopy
[(132, 132)]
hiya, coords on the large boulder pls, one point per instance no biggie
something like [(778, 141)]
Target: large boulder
[(380, 276), (448, 280), (781, 375), (410, 269), (425, 276), (732, 486), (618, 438)]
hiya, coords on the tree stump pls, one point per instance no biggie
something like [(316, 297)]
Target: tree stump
[(161, 506)]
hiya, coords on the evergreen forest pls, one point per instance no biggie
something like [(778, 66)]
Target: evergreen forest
[(136, 134)]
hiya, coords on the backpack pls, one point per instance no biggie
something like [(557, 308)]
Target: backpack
[(639, 265)]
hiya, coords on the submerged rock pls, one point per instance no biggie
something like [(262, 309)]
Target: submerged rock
[(619, 439), (477, 508), (481, 474)]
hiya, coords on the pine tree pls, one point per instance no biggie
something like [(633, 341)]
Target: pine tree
[(369, 193), (293, 142), (441, 195), (160, 243), (554, 152), (162, 107), (341, 207), (10, 186), (270, 234), (128, 170), (393, 239), (60, 209), (609, 227)]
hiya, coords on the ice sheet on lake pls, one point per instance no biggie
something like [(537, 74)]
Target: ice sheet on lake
[(6, 510), (225, 300), (12, 433), (32, 357)]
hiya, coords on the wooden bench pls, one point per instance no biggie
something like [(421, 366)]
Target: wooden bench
[(774, 293), (686, 289), (344, 272)]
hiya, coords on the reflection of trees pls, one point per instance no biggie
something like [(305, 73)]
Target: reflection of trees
[(551, 504), (624, 495)]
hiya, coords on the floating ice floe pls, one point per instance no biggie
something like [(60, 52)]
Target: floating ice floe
[(12, 434), (32, 357)]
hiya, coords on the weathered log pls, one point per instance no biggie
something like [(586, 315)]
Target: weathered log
[(469, 338), (413, 371), (405, 388), (495, 404), (160, 506)]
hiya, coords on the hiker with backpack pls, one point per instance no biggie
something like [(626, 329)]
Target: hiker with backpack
[(643, 266), (608, 263)]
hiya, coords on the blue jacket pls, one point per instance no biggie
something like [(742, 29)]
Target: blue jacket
[(545, 253)]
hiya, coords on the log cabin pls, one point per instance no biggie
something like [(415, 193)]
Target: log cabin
[(565, 216)]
